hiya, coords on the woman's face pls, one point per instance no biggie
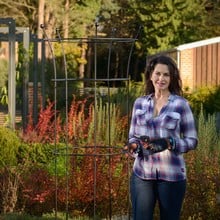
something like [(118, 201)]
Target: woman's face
[(160, 77)]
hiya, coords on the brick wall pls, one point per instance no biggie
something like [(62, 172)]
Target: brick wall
[(186, 68), (18, 117), (31, 96), (4, 117)]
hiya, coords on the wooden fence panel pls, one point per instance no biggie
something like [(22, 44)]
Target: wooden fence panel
[(207, 65)]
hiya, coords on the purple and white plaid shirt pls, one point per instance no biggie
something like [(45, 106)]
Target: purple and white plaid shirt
[(175, 120)]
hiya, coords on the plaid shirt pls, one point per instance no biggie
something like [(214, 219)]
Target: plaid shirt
[(174, 120)]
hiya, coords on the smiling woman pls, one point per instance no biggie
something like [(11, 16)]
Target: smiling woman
[(165, 118)]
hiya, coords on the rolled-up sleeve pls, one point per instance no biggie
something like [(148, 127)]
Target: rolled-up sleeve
[(188, 140)]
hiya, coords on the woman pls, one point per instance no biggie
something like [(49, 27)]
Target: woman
[(162, 129)]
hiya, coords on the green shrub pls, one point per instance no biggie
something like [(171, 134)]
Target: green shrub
[(208, 97), (9, 169), (9, 145)]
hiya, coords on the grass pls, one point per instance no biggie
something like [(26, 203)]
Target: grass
[(17, 216)]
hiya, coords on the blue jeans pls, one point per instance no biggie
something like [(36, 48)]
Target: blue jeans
[(145, 194)]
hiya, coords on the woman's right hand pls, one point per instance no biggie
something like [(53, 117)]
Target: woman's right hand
[(130, 148)]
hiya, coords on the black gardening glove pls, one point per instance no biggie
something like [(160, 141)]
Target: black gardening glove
[(144, 151), (161, 144)]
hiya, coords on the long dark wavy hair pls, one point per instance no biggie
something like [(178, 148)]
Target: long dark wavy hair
[(175, 86)]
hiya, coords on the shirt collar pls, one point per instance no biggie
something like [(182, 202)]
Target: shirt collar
[(150, 97)]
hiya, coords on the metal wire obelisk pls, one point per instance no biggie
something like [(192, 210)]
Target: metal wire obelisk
[(96, 150)]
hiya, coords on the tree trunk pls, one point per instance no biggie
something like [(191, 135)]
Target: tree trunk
[(50, 21), (41, 7), (82, 65), (66, 20)]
